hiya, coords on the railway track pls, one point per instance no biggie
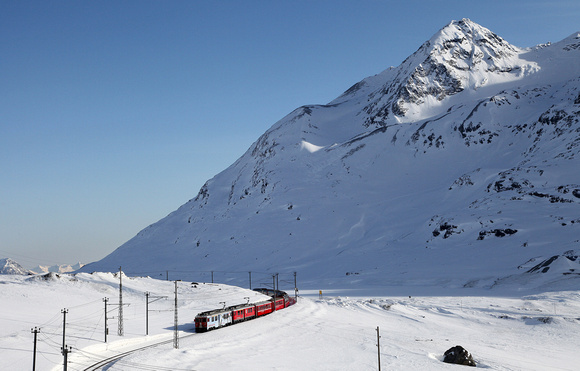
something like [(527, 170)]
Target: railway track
[(106, 361)]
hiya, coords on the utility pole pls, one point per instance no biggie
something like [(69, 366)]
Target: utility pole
[(106, 328), (175, 331), (250, 272), (379, 348), (273, 282), (274, 286), (277, 285), (64, 312), (35, 331), (211, 276), (65, 351), (295, 288), (120, 331), (147, 313), (155, 298)]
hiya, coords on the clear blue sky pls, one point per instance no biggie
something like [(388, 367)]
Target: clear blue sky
[(114, 113)]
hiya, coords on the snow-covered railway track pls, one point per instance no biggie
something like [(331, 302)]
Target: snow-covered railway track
[(107, 361)]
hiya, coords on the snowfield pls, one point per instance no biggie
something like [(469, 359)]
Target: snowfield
[(504, 329)]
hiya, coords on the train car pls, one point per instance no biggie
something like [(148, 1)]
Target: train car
[(279, 303), (213, 319), (281, 297), (217, 318), (290, 301), (264, 307), (243, 312)]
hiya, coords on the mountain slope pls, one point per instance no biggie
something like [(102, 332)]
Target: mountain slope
[(9, 266), (456, 167)]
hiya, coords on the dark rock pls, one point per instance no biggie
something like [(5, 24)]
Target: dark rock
[(497, 233), (544, 266), (459, 356), (447, 228)]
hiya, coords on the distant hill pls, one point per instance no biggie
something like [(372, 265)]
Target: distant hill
[(62, 268), (9, 266)]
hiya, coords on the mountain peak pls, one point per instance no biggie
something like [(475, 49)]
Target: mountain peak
[(464, 27), (9, 266), (467, 35), (461, 56)]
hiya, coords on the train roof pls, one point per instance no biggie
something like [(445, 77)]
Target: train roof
[(271, 292), (242, 306), (213, 312)]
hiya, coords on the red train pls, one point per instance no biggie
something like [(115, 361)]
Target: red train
[(217, 318)]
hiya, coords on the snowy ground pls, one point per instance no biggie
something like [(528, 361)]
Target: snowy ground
[(503, 330)]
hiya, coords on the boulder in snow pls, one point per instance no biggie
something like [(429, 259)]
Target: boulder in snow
[(459, 356)]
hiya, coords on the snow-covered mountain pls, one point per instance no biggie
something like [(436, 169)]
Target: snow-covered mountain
[(458, 167), (9, 266), (59, 268)]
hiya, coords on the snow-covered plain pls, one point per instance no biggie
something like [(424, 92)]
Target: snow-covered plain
[(504, 328)]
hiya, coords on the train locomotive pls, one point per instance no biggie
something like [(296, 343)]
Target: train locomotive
[(217, 318)]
